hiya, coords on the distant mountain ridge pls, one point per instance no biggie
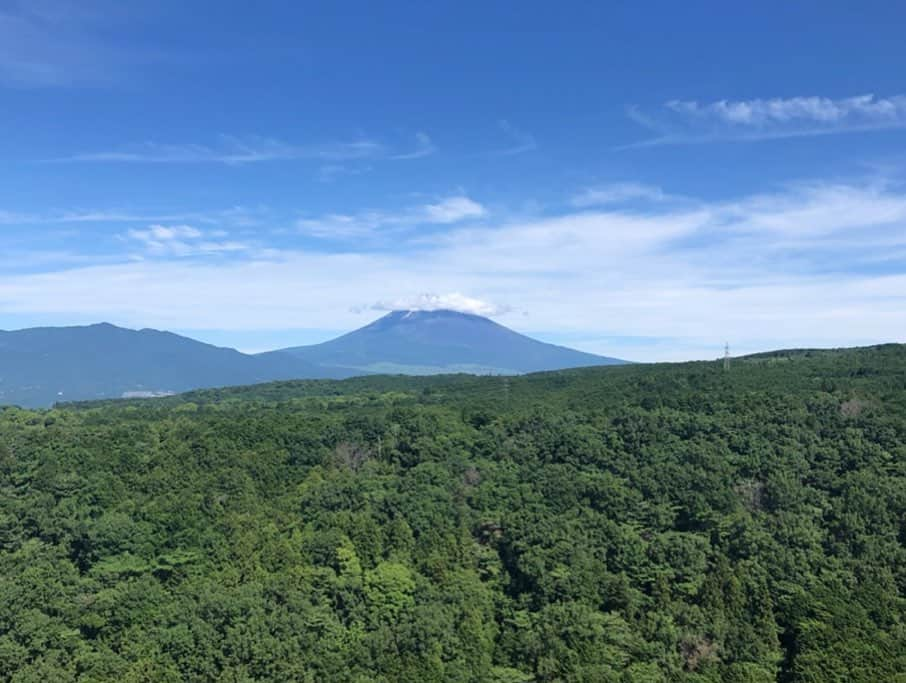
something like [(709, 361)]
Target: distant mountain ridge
[(441, 341), (43, 365)]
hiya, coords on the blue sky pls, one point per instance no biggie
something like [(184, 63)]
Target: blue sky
[(644, 180)]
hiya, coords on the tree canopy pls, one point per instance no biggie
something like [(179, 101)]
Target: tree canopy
[(632, 524)]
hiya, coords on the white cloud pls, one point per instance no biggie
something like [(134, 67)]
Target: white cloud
[(435, 302), (163, 233), (690, 121), (823, 110), (453, 210)]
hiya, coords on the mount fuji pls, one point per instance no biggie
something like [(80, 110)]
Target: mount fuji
[(442, 341)]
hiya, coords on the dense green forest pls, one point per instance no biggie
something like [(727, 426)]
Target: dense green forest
[(631, 524)]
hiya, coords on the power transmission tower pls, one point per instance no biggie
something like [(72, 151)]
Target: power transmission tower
[(726, 356)]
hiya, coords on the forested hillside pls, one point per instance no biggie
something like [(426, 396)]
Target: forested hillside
[(633, 524)]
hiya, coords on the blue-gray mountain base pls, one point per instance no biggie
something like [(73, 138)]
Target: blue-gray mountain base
[(42, 366)]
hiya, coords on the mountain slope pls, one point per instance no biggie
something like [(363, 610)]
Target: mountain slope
[(39, 366), (426, 342)]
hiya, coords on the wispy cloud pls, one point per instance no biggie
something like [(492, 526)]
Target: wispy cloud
[(238, 216), (29, 260), (424, 147), (14, 218), (865, 214), (231, 150), (451, 210), (691, 121), (617, 193), (101, 216), (330, 172), (184, 240), (54, 43), (235, 150), (28, 56), (77, 216), (520, 141), (446, 211)]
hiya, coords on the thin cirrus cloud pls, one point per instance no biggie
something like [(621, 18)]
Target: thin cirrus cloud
[(37, 50), (236, 216), (75, 216), (14, 218), (367, 223), (520, 141), (424, 147), (64, 44), (617, 193), (691, 121), (232, 151)]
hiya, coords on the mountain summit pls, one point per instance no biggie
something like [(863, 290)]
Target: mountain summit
[(438, 341)]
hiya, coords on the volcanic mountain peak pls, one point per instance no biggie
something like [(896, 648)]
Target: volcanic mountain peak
[(443, 340)]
